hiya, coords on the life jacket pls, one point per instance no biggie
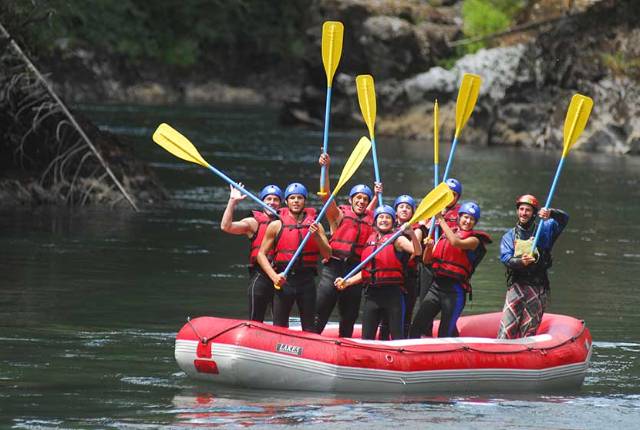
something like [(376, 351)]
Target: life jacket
[(452, 262), (348, 241), (256, 240), (386, 268), (534, 274), (412, 263), (451, 216), (289, 238)]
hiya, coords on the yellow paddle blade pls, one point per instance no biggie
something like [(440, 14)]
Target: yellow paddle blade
[(576, 120), (467, 97), (355, 159), (332, 33), (439, 198), (436, 132), (367, 99), (174, 142)]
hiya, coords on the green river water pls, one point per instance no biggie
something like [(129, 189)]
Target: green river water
[(91, 299)]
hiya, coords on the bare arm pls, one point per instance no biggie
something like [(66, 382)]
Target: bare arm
[(321, 239), (469, 243), (267, 245), (341, 284), (333, 213), (409, 246), (377, 188), (247, 226)]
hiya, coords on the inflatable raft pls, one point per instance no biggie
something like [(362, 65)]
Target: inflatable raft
[(255, 355)]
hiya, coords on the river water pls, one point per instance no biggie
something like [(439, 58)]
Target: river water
[(91, 299)]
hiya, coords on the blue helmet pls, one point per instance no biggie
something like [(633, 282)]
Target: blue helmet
[(455, 185), (405, 199), (271, 190), (386, 209), (470, 208), (295, 188), (361, 188)]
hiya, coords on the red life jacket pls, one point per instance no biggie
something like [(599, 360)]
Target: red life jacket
[(413, 262), (451, 216), (256, 240), (289, 238), (348, 241), (452, 262), (385, 268)]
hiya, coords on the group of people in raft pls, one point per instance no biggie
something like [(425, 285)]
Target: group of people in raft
[(390, 281)]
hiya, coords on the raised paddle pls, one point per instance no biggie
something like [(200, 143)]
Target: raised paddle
[(430, 205), (355, 159), (467, 97), (436, 146), (367, 100), (332, 34), (174, 142), (575, 122)]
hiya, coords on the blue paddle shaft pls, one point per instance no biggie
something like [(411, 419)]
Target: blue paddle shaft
[(376, 171), (243, 191), (307, 236), (551, 191), (452, 153), (325, 138), (373, 254)]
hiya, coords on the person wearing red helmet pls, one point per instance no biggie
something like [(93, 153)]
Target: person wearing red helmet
[(453, 259), (350, 227), (260, 291), (383, 276), (282, 238), (527, 278)]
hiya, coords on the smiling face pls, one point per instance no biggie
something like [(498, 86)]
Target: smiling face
[(525, 214), (359, 203), (272, 201), (295, 203), (466, 222), (384, 222), (404, 212)]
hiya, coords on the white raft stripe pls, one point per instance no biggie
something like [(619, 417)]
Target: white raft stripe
[(234, 352)]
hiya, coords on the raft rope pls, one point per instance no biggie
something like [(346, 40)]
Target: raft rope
[(387, 348)]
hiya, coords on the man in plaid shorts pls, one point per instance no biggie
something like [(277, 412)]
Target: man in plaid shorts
[(527, 279)]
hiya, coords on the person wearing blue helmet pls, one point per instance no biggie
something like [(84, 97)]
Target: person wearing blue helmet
[(350, 226), (405, 206), (453, 260), (383, 277), (260, 293), (527, 278), (282, 238)]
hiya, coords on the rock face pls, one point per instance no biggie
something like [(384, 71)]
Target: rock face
[(526, 87)]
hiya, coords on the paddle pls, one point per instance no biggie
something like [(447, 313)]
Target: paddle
[(174, 142), (332, 33), (367, 100), (430, 205), (467, 97), (355, 159), (436, 137), (575, 122)]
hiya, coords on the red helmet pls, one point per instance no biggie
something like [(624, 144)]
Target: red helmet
[(528, 199)]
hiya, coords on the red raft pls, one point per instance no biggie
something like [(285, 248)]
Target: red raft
[(255, 355)]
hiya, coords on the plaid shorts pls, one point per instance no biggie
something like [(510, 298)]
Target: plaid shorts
[(523, 310)]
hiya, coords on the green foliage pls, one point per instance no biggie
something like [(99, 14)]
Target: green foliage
[(621, 64), (483, 17), (179, 33)]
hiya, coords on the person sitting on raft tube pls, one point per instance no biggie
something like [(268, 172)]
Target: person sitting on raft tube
[(405, 206), (383, 276), (527, 278), (283, 237), (254, 226), (453, 259), (350, 227)]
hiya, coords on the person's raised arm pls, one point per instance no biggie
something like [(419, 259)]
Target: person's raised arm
[(246, 226), (333, 213), (377, 189)]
